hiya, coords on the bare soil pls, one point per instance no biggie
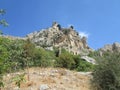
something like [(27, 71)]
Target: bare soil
[(54, 78)]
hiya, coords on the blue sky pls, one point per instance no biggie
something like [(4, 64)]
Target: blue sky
[(99, 19)]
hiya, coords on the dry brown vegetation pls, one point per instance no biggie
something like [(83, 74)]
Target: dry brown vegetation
[(54, 78)]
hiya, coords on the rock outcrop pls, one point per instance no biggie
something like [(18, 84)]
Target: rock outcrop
[(89, 59), (58, 37), (112, 48)]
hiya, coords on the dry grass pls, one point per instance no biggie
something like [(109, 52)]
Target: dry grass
[(55, 78)]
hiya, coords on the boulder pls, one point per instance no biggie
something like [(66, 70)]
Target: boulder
[(44, 87), (89, 59)]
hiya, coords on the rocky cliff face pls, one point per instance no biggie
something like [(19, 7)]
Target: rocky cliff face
[(56, 36), (115, 47)]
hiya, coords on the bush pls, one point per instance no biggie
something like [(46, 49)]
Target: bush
[(73, 62), (66, 31), (43, 58), (65, 60), (106, 75), (84, 66)]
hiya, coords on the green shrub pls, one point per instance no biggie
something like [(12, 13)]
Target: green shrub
[(65, 60), (94, 54), (66, 31), (43, 58), (84, 66), (18, 79), (106, 75), (77, 60)]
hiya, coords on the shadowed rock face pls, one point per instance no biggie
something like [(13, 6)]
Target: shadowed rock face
[(56, 36)]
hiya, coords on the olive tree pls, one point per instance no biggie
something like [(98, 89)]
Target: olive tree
[(106, 75)]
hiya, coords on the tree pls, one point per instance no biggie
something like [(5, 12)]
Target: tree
[(65, 60), (59, 26), (106, 75), (71, 27), (2, 12), (3, 57), (3, 22), (43, 58), (84, 66), (28, 54), (16, 55)]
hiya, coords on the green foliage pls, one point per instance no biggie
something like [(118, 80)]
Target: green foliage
[(3, 21), (43, 58), (4, 54), (73, 62), (19, 79), (28, 49), (85, 66), (28, 53), (65, 60), (77, 60), (106, 75), (56, 51), (95, 54), (2, 12), (37, 57), (72, 27), (20, 54), (16, 55), (11, 54), (1, 81), (66, 31), (59, 26)]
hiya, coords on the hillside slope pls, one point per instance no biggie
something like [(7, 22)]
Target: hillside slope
[(51, 79)]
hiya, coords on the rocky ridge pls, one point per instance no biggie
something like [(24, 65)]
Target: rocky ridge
[(58, 37), (112, 48)]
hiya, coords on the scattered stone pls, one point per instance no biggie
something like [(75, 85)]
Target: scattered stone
[(63, 80), (44, 87), (30, 88), (52, 75), (16, 88), (54, 71)]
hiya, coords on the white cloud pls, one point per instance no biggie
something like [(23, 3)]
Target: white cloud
[(84, 34), (70, 25)]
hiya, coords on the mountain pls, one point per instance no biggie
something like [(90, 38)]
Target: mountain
[(58, 37)]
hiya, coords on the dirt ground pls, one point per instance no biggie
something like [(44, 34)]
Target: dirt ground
[(50, 79)]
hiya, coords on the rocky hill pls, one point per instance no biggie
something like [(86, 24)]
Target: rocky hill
[(56, 36), (112, 48)]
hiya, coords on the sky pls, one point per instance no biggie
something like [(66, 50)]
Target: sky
[(99, 20)]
